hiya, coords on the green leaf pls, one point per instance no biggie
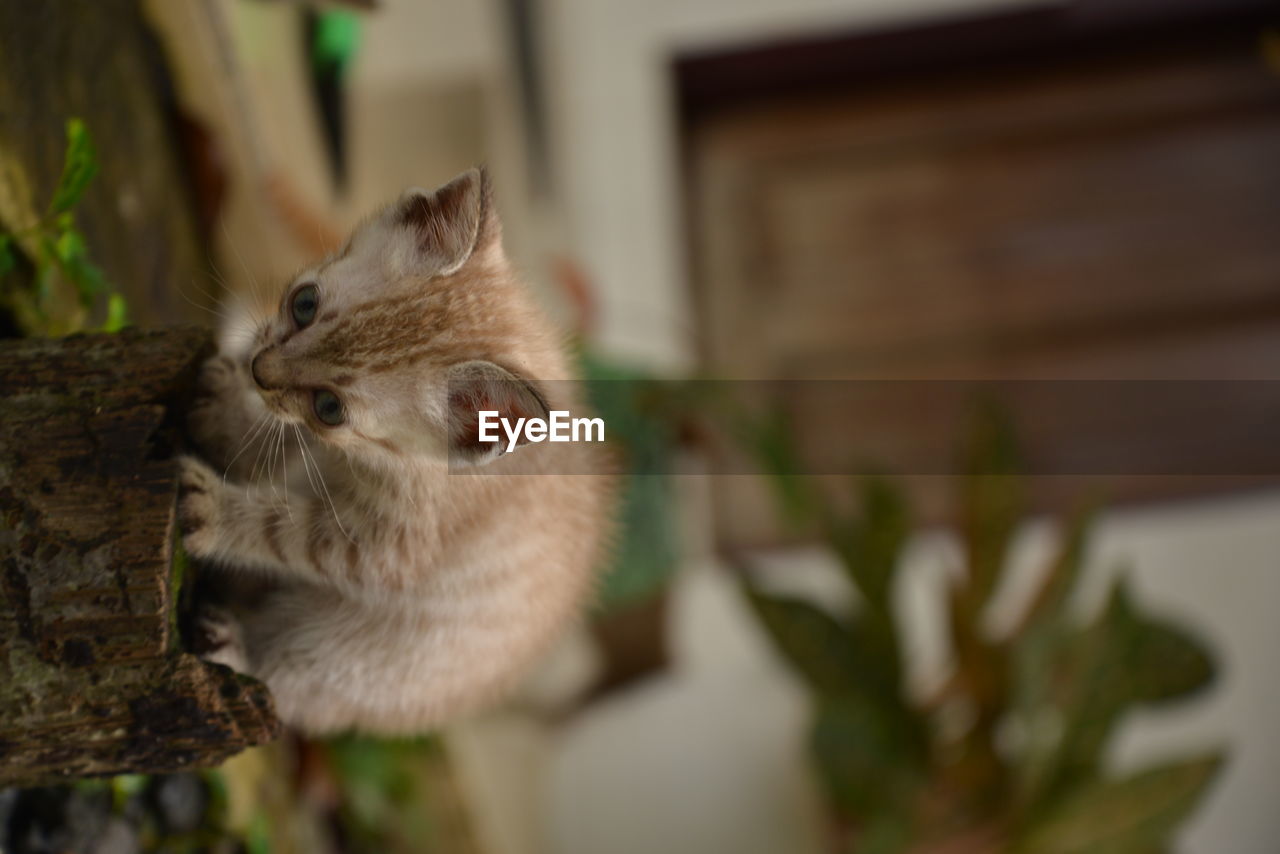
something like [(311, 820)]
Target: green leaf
[(869, 548), (78, 168), (1169, 664), (865, 729), (117, 314), (258, 835), (866, 759), (1092, 690), (1144, 659), (885, 833), (70, 246), (1036, 650), (1063, 574), (992, 503), (771, 440), (73, 257), (1097, 674), (1135, 814), (816, 645), (381, 786)]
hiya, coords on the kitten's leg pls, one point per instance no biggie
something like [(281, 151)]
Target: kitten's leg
[(229, 523)]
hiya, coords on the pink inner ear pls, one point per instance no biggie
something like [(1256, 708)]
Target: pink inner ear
[(446, 221), (506, 397), (465, 405)]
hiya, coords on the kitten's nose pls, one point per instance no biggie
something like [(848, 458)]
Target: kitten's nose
[(260, 369), (253, 369), (270, 370)]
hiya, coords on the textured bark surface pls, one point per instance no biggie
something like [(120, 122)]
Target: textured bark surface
[(93, 679)]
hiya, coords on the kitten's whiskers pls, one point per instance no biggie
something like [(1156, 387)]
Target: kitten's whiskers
[(253, 283), (245, 441), (216, 312), (259, 460), (284, 464), (320, 476), (271, 460)]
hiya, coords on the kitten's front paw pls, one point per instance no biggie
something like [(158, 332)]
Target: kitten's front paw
[(214, 412), (198, 505), (219, 639), (218, 376)]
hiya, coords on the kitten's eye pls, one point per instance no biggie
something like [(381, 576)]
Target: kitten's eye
[(303, 305), (328, 407)]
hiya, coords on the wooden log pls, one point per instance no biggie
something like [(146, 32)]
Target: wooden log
[(93, 677)]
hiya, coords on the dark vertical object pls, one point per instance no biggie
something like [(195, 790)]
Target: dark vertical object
[(522, 18), (328, 84)]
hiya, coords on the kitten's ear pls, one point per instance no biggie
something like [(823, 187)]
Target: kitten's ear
[(480, 386), (449, 226)]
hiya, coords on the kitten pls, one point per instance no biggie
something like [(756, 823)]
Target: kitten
[(401, 593)]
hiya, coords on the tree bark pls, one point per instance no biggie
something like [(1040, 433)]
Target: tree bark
[(93, 677)]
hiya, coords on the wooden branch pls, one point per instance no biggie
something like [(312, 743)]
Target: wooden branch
[(93, 679)]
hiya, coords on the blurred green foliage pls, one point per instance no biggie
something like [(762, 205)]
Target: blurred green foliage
[(394, 796), (174, 813), (1008, 756), (67, 284), (345, 795), (643, 427)]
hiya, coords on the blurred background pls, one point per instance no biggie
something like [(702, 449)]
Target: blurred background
[(769, 190)]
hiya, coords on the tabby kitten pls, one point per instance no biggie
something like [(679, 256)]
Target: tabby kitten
[(399, 591)]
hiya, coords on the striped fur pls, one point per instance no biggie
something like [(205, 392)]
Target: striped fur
[(401, 595)]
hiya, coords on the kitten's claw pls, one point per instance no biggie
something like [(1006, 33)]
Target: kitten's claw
[(207, 419), (220, 639), (200, 487)]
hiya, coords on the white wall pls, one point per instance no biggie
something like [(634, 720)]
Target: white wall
[(409, 41)]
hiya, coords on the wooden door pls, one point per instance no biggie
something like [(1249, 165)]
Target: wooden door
[(1107, 208)]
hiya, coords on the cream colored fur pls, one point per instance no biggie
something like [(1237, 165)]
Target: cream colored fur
[(395, 594)]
